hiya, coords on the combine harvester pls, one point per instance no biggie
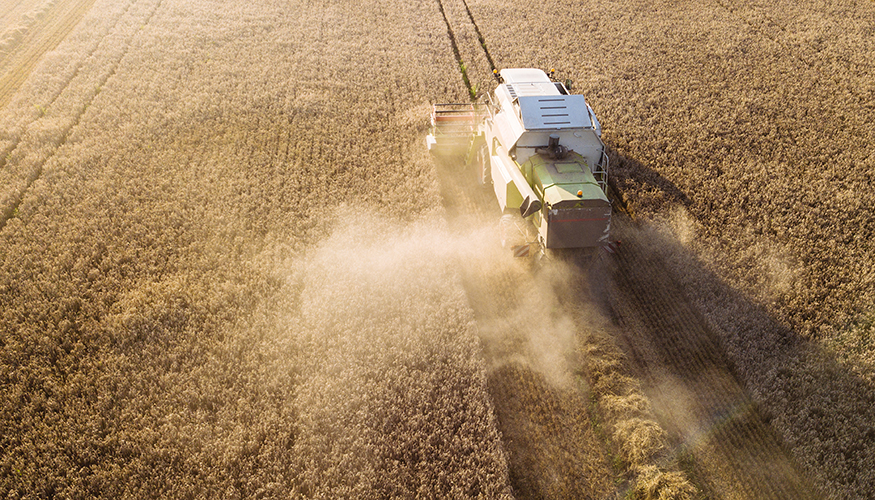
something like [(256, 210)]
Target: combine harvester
[(540, 149)]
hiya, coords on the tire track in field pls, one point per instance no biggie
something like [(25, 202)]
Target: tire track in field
[(37, 171), (716, 429), (454, 44), (43, 37), (479, 36)]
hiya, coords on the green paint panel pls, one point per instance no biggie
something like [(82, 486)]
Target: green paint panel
[(569, 168), (559, 182)]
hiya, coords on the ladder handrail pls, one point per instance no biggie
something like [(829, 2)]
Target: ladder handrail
[(601, 171)]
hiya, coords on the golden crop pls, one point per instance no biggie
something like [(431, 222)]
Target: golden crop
[(229, 269)]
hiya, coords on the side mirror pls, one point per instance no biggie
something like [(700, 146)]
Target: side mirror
[(568, 84)]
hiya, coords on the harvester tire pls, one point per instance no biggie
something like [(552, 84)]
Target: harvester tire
[(512, 230)]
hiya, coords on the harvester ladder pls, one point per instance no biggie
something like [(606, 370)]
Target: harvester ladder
[(600, 172)]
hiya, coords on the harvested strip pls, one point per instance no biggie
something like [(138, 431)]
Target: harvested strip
[(713, 423), (43, 37)]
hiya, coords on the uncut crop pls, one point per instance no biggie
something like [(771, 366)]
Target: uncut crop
[(172, 325)]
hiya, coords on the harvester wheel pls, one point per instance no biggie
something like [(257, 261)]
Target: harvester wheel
[(512, 230)]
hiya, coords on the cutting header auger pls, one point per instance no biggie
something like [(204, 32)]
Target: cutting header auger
[(540, 148)]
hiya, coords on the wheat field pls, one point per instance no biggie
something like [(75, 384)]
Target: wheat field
[(230, 269)]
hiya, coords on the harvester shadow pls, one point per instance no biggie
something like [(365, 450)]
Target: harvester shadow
[(630, 175), (751, 388), (755, 390)]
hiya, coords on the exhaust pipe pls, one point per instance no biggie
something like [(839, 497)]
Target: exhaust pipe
[(554, 150), (557, 151)]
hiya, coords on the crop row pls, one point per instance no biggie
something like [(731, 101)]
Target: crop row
[(173, 327), (689, 379), (820, 406)]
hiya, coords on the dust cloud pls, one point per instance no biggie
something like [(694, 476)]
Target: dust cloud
[(522, 319), (411, 331), (392, 372), (381, 278)]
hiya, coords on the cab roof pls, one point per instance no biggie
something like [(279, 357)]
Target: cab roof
[(524, 75), (528, 82)]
